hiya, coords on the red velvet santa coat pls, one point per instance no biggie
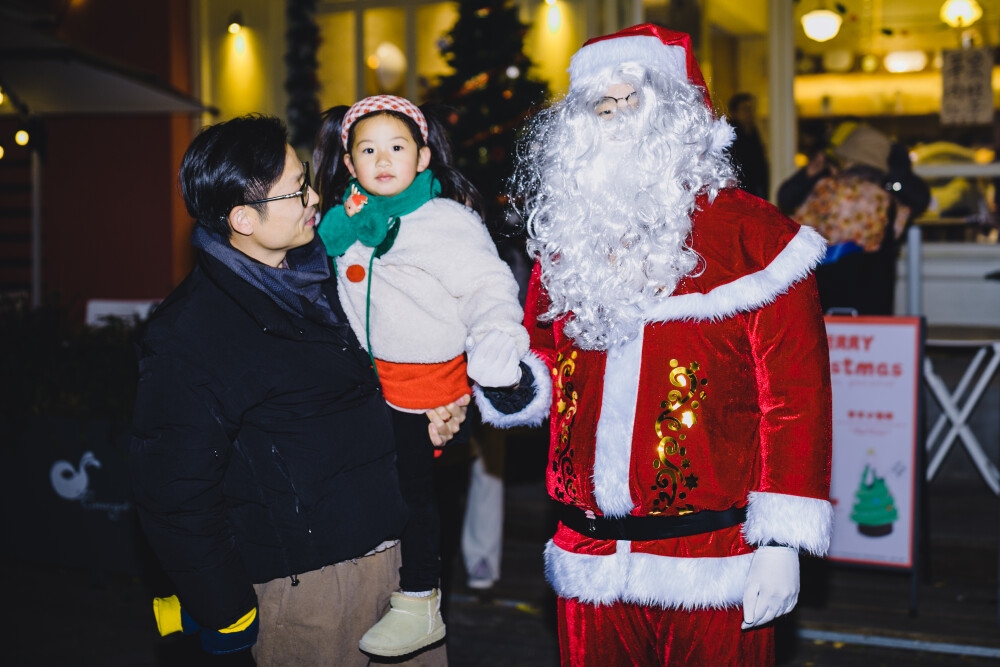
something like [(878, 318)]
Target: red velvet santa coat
[(724, 400)]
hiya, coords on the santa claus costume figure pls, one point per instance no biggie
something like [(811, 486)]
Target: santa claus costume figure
[(682, 362)]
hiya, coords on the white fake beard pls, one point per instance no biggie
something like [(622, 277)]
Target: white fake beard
[(617, 247)]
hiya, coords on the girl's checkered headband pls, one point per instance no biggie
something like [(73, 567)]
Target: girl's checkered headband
[(382, 103)]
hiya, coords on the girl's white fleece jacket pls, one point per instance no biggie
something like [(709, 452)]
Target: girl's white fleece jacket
[(441, 282)]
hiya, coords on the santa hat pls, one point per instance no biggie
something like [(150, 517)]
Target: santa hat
[(648, 44)]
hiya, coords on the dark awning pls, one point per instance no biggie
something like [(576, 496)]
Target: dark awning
[(44, 76)]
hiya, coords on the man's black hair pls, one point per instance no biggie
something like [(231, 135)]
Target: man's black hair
[(229, 164)]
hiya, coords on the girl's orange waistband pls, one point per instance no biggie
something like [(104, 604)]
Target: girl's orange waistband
[(423, 386)]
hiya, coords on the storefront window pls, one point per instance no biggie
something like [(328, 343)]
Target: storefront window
[(434, 22), (385, 52), (338, 81), (395, 39)]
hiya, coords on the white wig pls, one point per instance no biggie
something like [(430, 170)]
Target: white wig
[(609, 201)]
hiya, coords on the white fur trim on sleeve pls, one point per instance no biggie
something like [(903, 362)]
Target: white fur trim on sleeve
[(532, 414), (647, 579), (752, 291), (803, 523), (723, 135)]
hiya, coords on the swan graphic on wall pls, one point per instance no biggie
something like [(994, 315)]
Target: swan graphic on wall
[(69, 482)]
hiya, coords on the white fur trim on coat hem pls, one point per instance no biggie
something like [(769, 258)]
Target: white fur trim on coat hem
[(534, 413), (799, 522), (647, 579), (806, 249)]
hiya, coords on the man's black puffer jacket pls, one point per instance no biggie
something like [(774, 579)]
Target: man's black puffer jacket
[(262, 445)]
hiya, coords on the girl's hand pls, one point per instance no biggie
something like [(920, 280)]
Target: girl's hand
[(446, 420), (493, 361)]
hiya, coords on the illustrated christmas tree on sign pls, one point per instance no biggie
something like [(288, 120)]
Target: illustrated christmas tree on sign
[(874, 509), (490, 95)]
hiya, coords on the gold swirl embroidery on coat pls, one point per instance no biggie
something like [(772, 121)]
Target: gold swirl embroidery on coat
[(674, 475), (566, 406)]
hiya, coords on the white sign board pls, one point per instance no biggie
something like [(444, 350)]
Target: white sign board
[(967, 87), (875, 374), (99, 309)]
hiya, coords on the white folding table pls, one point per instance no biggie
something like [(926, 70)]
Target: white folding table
[(958, 405)]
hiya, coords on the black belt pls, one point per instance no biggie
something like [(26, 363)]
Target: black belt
[(644, 528)]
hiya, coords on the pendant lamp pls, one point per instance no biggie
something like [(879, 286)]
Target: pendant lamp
[(822, 25)]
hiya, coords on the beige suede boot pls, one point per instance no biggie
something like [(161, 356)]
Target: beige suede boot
[(411, 624)]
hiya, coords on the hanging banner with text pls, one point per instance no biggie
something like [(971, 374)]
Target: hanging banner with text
[(875, 374), (967, 87)]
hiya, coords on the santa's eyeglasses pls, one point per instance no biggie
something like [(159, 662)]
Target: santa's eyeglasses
[(607, 106)]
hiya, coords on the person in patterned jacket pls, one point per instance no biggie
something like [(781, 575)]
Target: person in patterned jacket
[(679, 352)]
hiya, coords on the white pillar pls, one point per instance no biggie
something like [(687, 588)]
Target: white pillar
[(914, 271), (780, 91), (638, 13), (610, 17)]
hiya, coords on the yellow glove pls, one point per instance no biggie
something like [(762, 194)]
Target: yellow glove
[(171, 617)]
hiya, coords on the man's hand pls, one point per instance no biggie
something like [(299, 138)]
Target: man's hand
[(446, 420), (493, 361), (772, 586)]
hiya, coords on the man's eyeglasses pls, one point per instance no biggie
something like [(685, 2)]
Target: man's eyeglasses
[(302, 194), (608, 105)]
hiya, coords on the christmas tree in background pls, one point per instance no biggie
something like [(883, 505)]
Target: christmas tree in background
[(874, 509), (489, 96)]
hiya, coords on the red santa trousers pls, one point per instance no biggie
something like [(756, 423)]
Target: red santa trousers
[(628, 634)]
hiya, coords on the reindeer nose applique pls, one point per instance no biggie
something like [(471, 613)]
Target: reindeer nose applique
[(355, 273)]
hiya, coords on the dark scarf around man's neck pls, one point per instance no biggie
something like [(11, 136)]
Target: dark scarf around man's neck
[(297, 289)]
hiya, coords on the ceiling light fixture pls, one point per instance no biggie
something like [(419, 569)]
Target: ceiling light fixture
[(961, 13), (869, 63), (821, 25), (838, 60), (899, 62)]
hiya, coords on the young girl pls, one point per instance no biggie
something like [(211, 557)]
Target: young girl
[(421, 282)]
